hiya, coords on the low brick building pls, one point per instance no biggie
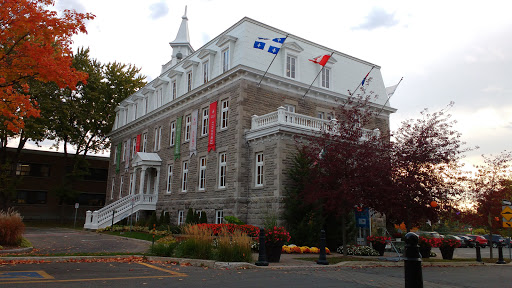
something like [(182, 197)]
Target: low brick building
[(215, 133), (40, 173)]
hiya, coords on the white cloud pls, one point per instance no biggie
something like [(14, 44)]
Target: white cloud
[(158, 10), (378, 18)]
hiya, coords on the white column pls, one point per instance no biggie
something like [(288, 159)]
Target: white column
[(281, 117), (157, 180), (142, 176)]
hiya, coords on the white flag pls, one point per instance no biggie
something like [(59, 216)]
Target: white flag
[(391, 90)]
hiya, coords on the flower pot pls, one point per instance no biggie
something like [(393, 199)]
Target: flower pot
[(379, 247), (273, 250), (425, 252), (447, 252)]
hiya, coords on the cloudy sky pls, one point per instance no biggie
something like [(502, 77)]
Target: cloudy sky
[(446, 51)]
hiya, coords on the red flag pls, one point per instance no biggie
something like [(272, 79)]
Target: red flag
[(212, 125), (322, 60)]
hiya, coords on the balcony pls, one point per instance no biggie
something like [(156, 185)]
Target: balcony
[(288, 122)]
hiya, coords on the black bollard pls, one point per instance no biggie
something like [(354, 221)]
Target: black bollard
[(412, 262), (478, 255), (262, 257), (500, 255), (322, 258)]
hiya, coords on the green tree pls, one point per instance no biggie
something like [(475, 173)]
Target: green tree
[(191, 217)]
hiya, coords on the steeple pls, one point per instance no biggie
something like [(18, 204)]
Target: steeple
[(181, 47)]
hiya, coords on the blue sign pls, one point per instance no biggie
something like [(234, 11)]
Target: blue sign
[(363, 218)]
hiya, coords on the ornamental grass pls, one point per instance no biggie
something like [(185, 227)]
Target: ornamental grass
[(11, 227), (233, 246)]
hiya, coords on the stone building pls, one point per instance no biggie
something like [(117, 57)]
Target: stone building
[(215, 131)]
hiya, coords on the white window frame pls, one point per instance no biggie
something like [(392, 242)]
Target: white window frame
[(134, 147), (121, 187), (219, 216), (188, 126), (144, 142), (189, 79), (181, 217), (124, 151), (174, 89), (184, 176), (225, 60), (259, 169), (112, 188), (222, 169), (145, 105), (224, 116), (136, 110), (291, 66), (159, 98), (206, 71), (169, 179), (172, 134), (132, 179), (325, 80), (205, 122), (202, 174), (158, 135)]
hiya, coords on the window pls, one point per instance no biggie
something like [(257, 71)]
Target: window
[(145, 105), (121, 187), (144, 142), (30, 197), (224, 114), (169, 178), (219, 216), (225, 60), (173, 133), (326, 77), (134, 146), (202, 173), (204, 128), (189, 81), (131, 187), (158, 135), (112, 188), (290, 66), (124, 151), (159, 97), (174, 90), (181, 217), (33, 169), (320, 115), (188, 123), (289, 108), (259, 169), (206, 76), (184, 177), (136, 110), (113, 162), (222, 170)]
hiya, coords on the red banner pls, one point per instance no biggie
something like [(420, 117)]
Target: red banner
[(137, 146), (212, 123)]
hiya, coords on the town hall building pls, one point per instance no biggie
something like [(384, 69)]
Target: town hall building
[(215, 132)]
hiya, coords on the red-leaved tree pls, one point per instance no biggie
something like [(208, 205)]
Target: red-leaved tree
[(34, 45)]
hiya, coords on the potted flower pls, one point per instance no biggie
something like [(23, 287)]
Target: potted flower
[(378, 243), (447, 246), (274, 240), (426, 244)]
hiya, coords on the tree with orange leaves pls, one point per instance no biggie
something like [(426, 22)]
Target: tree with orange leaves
[(34, 45)]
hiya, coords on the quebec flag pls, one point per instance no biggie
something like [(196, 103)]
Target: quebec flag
[(270, 45)]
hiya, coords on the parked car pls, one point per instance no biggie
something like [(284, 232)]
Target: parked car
[(478, 240), (466, 241), (428, 234), (496, 240), (457, 238)]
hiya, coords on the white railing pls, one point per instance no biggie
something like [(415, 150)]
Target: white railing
[(301, 122), (119, 210)]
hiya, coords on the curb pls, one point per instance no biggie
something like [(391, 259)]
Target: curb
[(18, 250)]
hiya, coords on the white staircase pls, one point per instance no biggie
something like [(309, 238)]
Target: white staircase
[(122, 207)]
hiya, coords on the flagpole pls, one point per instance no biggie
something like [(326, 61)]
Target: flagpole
[(360, 82), (316, 77), (273, 60), (382, 108)]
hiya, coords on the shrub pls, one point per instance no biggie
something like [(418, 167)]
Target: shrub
[(197, 245), (191, 218), (233, 247), (203, 218), (24, 243), (233, 220), (11, 227), (152, 220), (163, 249)]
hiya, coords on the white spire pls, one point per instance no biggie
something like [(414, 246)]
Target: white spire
[(182, 37)]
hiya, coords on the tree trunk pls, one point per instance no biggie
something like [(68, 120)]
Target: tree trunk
[(344, 235)]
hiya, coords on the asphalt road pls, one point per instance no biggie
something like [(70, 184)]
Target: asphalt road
[(166, 275)]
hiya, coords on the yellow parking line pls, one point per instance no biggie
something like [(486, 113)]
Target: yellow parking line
[(164, 270), (79, 280)]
